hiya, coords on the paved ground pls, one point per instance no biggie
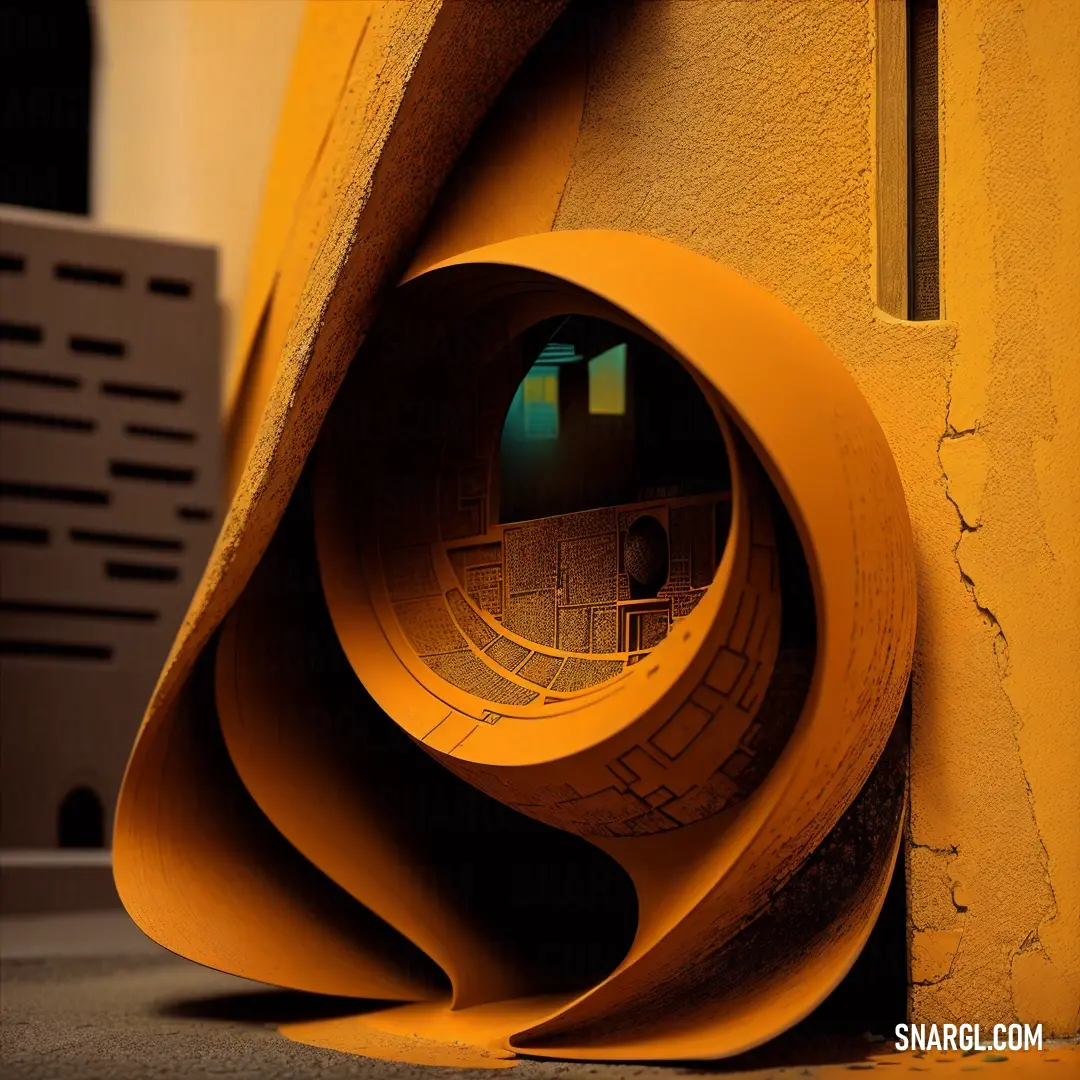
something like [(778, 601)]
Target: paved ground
[(89, 997)]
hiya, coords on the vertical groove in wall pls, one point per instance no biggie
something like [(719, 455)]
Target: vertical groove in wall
[(923, 277), (892, 157)]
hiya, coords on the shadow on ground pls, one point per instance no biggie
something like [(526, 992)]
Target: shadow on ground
[(267, 1007), (804, 1046)]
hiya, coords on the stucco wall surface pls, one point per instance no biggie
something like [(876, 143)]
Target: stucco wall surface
[(745, 131), (997, 802)]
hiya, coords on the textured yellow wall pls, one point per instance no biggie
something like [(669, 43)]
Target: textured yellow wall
[(745, 131), (995, 760)]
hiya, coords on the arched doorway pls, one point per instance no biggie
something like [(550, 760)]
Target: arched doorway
[(81, 819)]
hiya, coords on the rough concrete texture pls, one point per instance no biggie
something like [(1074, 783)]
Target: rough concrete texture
[(88, 997), (774, 176), (996, 798)]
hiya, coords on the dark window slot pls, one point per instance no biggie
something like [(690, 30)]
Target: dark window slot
[(194, 513), (156, 474), (123, 571), (169, 286), (38, 378), (88, 275), (23, 534), (42, 420), (78, 611), (54, 650), (53, 493), (46, 60), (924, 292), (149, 431), (20, 332), (12, 264), (143, 393), (92, 346), (126, 540)]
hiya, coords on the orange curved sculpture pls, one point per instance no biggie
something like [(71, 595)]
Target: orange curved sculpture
[(615, 781)]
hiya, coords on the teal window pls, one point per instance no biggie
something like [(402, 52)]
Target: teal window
[(607, 382)]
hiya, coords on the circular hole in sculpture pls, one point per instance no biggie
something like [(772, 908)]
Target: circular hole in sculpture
[(612, 460)]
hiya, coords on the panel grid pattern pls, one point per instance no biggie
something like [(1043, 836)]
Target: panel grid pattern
[(110, 484)]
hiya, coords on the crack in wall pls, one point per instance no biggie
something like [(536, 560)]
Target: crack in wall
[(960, 908), (929, 945), (1031, 942), (948, 974), (950, 849), (1001, 642)]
